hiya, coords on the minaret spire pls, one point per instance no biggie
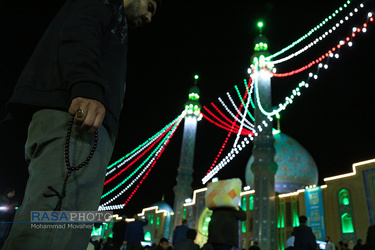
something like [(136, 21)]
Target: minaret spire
[(264, 166), (183, 188)]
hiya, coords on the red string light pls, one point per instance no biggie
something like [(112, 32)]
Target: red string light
[(140, 156), (229, 134), (149, 170), (338, 46)]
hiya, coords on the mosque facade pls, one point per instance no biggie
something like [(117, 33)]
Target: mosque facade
[(343, 208)]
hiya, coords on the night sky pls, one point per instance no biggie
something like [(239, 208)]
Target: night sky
[(334, 119)]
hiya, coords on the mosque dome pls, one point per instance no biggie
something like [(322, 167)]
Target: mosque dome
[(163, 206), (296, 167)]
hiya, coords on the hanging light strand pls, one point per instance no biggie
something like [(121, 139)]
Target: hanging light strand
[(317, 27), (322, 57), (155, 155), (320, 38), (139, 149)]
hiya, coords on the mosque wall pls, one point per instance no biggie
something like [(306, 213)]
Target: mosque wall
[(348, 205)]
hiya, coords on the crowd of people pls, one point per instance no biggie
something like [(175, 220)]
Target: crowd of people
[(303, 238), (222, 234)]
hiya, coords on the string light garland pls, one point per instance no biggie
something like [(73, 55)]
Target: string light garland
[(317, 27), (250, 99), (116, 165), (250, 125), (243, 117), (323, 56), (246, 132), (226, 139), (155, 156), (214, 169), (320, 38)]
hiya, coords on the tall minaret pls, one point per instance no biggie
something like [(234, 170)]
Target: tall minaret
[(183, 189), (264, 167)]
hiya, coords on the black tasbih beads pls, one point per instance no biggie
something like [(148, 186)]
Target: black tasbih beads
[(67, 142), (69, 167)]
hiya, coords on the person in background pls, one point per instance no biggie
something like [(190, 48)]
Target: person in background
[(66, 106), (134, 233), (370, 238), (119, 229), (179, 233), (7, 210), (359, 245), (188, 243), (304, 237), (329, 243), (223, 227), (290, 242), (255, 246), (163, 244)]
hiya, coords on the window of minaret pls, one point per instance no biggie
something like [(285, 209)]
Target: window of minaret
[(147, 236), (347, 223), (344, 197), (157, 221), (243, 204), (295, 215), (184, 214), (251, 202), (243, 228)]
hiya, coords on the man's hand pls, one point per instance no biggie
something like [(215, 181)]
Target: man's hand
[(93, 115)]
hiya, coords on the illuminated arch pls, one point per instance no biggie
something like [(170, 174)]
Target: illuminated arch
[(344, 197), (203, 222), (148, 237), (347, 223)]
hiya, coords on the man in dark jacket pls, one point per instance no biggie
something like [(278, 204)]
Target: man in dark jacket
[(304, 237), (223, 227), (76, 73), (188, 243), (134, 233), (179, 233)]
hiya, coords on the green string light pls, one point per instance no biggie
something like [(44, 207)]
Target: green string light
[(146, 160), (308, 34), (243, 103), (147, 141)]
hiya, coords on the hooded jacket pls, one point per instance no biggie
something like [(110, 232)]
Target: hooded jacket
[(81, 54)]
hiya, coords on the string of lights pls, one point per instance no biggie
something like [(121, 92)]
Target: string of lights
[(251, 102), (348, 40), (214, 169), (317, 27), (225, 141), (250, 126), (139, 149), (245, 111), (320, 38), (135, 160), (228, 126), (222, 114), (155, 156)]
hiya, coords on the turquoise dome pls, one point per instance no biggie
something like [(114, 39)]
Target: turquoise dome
[(296, 167), (164, 206)]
